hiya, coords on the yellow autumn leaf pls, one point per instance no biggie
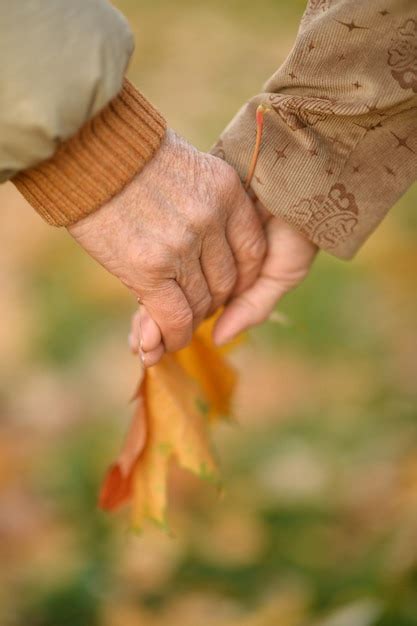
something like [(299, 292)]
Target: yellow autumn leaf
[(174, 401), (206, 364), (176, 428)]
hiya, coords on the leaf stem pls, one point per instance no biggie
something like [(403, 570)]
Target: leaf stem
[(260, 113)]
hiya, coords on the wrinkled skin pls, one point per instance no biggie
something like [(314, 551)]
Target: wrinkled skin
[(289, 258), (182, 235)]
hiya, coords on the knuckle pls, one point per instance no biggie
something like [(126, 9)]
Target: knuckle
[(294, 276), (202, 306), (206, 216), (225, 286), (229, 182), (255, 249), (181, 319), (154, 260), (225, 180), (186, 244)]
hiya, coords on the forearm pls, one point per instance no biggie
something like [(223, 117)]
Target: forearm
[(340, 138)]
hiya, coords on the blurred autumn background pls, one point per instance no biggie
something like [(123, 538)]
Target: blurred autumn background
[(318, 522)]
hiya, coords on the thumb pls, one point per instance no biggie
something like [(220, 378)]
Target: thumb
[(288, 261), (145, 334), (152, 347), (150, 333), (248, 309)]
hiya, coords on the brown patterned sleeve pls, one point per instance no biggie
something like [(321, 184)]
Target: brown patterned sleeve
[(340, 137)]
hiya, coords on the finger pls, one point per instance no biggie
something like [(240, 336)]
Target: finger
[(150, 333), (194, 286), (247, 241), (248, 309), (219, 268), (169, 308), (134, 335), (145, 334), (289, 259), (153, 357), (132, 343)]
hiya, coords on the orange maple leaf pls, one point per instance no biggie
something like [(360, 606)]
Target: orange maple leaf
[(175, 400)]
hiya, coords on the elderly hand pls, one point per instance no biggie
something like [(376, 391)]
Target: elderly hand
[(288, 261), (183, 236)]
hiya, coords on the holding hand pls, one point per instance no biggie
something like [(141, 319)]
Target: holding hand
[(183, 235), (288, 260)]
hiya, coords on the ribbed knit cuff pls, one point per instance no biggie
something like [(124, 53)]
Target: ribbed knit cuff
[(94, 165)]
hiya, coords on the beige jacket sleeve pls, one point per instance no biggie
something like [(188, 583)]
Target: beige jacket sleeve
[(72, 130), (340, 137)]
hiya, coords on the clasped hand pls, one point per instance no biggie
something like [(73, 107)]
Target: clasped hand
[(186, 239)]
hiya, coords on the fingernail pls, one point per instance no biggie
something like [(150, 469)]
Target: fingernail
[(142, 357), (141, 344)]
